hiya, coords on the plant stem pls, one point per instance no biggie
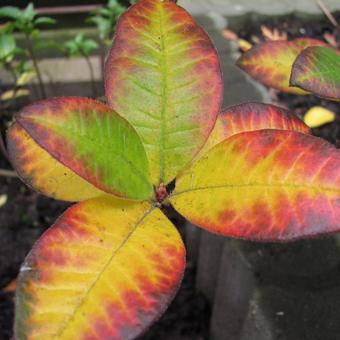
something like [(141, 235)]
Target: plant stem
[(102, 59), (35, 65), (3, 147), (93, 84)]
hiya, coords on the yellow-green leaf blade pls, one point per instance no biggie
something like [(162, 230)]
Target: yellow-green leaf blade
[(266, 185), (39, 170), (163, 75), (105, 270), (93, 141)]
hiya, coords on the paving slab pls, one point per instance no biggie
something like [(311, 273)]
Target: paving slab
[(230, 8)]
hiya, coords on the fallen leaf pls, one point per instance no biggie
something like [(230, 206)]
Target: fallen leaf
[(12, 94), (3, 200), (229, 35), (273, 34), (244, 45), (318, 116)]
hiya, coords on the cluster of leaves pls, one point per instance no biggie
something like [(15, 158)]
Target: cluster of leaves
[(20, 70), (26, 22), (112, 262), (105, 19), (300, 66)]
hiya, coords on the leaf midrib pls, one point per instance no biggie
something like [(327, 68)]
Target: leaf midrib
[(101, 273), (259, 185), (164, 93)]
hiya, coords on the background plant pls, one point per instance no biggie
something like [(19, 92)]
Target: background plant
[(111, 263), (80, 46), (105, 19), (27, 22)]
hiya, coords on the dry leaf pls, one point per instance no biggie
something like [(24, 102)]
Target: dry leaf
[(229, 35), (318, 116), (273, 34), (12, 94), (244, 45)]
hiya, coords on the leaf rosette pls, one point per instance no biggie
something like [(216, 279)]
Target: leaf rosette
[(112, 263)]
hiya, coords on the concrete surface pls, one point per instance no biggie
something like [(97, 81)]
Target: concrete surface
[(231, 8)]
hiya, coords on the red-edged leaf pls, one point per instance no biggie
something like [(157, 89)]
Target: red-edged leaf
[(163, 75), (93, 141), (266, 185), (252, 117), (271, 62), (317, 69), (39, 170), (106, 270)]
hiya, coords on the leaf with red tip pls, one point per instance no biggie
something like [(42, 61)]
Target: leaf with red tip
[(251, 117), (93, 141), (266, 185), (39, 170), (271, 62), (163, 75), (317, 70), (106, 270)]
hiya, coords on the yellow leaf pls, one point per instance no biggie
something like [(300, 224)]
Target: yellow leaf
[(3, 200), (25, 78), (244, 45), (318, 116), (12, 94)]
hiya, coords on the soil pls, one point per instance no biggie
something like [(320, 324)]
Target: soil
[(26, 215)]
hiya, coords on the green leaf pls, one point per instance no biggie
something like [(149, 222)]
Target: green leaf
[(7, 46), (30, 12), (93, 141), (45, 21), (317, 69), (89, 46), (10, 12)]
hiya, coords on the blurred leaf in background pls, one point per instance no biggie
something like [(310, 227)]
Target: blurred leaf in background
[(80, 46), (27, 21)]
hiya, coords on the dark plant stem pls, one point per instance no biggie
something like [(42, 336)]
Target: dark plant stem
[(10, 69), (102, 59), (35, 65), (93, 84), (3, 147)]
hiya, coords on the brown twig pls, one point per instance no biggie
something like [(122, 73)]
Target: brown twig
[(33, 57), (327, 13)]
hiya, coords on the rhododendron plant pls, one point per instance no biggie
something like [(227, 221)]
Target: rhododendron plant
[(112, 263)]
